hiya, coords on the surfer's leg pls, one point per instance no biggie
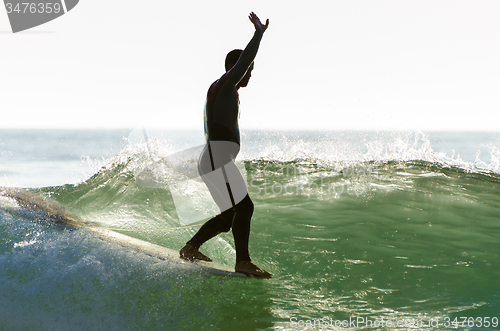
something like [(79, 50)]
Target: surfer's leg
[(213, 174), (227, 187), (216, 183), (211, 228), (243, 212)]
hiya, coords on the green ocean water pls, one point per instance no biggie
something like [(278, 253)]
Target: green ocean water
[(361, 232)]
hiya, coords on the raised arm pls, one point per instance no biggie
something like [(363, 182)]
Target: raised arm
[(237, 72)]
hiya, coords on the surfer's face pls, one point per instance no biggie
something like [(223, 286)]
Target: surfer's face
[(244, 81)]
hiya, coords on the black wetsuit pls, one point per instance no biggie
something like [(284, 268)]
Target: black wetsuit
[(216, 164)]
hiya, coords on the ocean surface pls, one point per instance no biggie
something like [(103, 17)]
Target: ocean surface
[(361, 230)]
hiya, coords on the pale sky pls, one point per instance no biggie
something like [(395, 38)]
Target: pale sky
[(338, 65)]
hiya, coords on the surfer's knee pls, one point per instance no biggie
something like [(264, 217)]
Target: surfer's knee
[(245, 205), (226, 220)]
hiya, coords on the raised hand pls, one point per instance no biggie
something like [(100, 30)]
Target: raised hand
[(257, 23)]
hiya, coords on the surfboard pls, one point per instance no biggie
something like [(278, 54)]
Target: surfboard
[(60, 215), (161, 252)]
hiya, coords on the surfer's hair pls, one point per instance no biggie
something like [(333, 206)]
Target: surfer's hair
[(232, 57)]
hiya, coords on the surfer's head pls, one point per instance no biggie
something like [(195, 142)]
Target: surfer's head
[(231, 59)]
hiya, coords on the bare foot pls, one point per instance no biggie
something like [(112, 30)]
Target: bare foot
[(191, 253), (250, 269)]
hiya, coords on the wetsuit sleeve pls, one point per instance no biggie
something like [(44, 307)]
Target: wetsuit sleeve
[(246, 58)]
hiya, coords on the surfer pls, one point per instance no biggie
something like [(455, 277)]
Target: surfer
[(216, 164)]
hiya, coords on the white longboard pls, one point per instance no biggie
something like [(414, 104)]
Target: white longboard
[(61, 216), (160, 251)]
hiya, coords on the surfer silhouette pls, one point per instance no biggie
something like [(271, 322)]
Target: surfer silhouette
[(216, 164)]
